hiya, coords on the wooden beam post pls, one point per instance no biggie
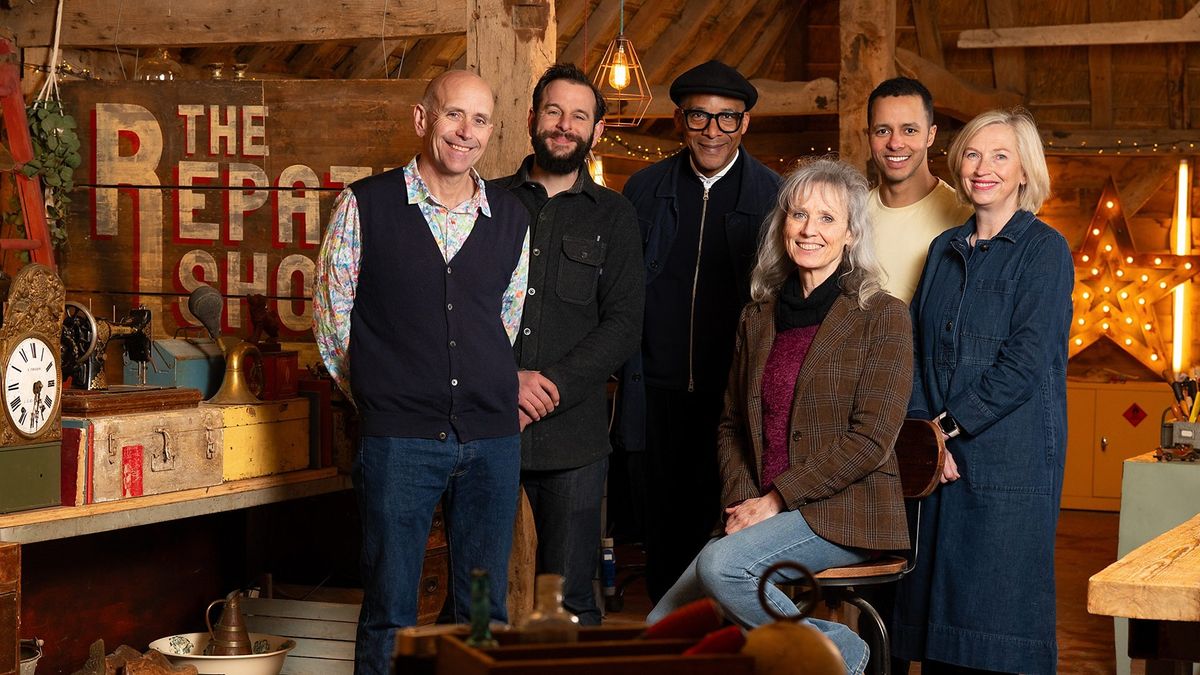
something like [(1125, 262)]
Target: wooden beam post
[(510, 45), (868, 41)]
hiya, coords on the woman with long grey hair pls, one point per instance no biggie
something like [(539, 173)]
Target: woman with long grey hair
[(816, 397)]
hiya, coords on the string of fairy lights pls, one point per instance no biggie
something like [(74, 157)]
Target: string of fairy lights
[(614, 144)]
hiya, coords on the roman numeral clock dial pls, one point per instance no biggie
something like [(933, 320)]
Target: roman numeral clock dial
[(30, 367), (31, 384)]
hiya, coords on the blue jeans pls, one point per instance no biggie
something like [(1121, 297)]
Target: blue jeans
[(398, 482), (729, 570), (566, 514)]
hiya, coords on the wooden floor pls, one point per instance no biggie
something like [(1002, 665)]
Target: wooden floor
[(1087, 543)]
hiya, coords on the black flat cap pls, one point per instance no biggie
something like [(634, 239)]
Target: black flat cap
[(717, 78)]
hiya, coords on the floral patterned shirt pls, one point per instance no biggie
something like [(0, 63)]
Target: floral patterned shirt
[(338, 265)]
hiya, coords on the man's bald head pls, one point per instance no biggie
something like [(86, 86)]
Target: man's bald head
[(437, 88)]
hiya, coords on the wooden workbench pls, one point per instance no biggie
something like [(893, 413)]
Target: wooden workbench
[(1157, 587)]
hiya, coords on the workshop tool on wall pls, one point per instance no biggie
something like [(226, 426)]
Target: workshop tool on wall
[(85, 341)]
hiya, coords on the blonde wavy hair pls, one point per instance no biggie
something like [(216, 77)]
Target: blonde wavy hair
[(860, 274), (1036, 189)]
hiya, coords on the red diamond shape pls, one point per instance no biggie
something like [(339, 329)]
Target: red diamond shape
[(1134, 414)]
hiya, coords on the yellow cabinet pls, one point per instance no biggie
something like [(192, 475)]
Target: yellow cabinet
[(1107, 424)]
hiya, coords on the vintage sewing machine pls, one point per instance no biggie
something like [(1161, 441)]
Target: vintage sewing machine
[(85, 339)]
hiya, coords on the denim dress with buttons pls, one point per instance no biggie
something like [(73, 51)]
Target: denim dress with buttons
[(991, 324)]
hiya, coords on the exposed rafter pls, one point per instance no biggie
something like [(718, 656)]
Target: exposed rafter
[(749, 32), (929, 38), (1184, 29), (682, 36), (951, 94), (783, 99), (146, 23), (751, 64), (600, 27), (1008, 64)]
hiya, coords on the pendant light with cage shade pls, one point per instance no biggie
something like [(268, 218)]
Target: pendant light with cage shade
[(622, 81)]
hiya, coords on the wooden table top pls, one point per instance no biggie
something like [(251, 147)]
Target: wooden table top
[(1158, 580)]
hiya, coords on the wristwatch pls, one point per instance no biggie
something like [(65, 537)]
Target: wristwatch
[(948, 424)]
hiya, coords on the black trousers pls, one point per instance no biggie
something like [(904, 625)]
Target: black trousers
[(683, 488), (566, 514)]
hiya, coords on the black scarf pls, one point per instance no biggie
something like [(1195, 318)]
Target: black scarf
[(793, 310)]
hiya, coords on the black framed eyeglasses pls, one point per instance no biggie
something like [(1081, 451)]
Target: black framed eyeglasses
[(698, 120)]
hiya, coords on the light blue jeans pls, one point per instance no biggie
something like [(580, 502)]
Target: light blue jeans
[(729, 570)]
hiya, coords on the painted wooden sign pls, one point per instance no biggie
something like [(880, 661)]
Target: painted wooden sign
[(220, 182)]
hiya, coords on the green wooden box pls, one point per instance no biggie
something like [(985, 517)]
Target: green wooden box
[(29, 476)]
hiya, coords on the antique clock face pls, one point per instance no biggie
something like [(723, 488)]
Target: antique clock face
[(31, 384)]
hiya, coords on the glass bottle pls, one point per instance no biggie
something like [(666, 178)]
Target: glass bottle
[(481, 610), (549, 621)]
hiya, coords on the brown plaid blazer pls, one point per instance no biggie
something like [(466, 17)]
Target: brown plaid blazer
[(851, 396)]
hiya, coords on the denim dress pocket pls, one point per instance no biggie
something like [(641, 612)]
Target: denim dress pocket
[(579, 269)]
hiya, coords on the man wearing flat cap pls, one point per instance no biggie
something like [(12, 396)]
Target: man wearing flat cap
[(700, 211)]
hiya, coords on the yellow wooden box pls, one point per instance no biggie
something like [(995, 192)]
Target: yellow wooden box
[(265, 438)]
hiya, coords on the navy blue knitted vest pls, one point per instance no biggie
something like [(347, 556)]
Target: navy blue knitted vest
[(428, 351)]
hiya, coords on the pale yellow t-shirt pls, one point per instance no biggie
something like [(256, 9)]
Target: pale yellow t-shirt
[(902, 235)]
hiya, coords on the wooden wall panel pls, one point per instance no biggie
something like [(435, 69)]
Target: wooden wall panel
[(229, 183)]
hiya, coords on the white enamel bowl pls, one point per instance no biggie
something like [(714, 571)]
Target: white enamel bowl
[(188, 648)]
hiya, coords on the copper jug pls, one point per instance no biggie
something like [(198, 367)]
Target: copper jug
[(229, 636)]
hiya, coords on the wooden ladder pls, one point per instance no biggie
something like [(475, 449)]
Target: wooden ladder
[(29, 191)]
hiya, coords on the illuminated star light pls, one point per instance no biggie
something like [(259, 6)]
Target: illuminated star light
[(1114, 276)]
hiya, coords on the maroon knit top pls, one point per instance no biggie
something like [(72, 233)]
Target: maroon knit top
[(778, 391)]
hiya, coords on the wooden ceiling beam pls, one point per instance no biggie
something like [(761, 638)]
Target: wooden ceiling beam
[(1008, 64), (1126, 142), (751, 64), (1185, 29), (710, 43), (775, 99), (749, 32), (570, 15), (369, 59), (681, 36), (600, 27), (929, 39), (309, 58), (420, 56), (951, 94), (145, 23), (1148, 180)]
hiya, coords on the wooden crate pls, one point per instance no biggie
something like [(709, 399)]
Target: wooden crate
[(110, 457), (10, 607), (323, 631), (625, 655), (264, 438)]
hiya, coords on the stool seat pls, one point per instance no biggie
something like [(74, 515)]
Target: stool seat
[(883, 566)]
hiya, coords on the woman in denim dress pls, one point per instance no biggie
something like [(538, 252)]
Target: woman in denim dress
[(991, 320)]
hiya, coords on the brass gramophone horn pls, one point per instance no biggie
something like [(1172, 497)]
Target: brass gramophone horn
[(235, 387)]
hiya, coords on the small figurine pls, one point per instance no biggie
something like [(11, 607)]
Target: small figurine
[(263, 320)]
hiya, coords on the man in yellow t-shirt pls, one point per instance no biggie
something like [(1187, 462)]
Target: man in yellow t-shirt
[(910, 206)]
